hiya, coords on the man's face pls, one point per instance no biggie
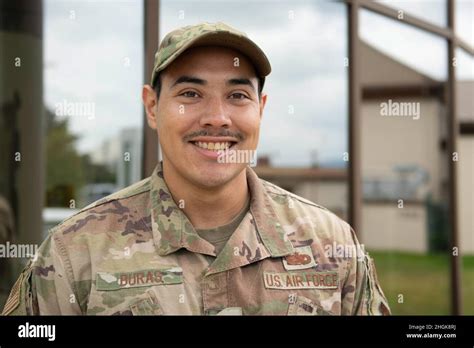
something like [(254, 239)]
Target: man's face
[(208, 102)]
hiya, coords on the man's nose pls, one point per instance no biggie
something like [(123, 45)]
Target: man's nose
[(215, 115)]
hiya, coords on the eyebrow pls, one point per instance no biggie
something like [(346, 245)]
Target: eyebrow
[(198, 81), (240, 81), (189, 79)]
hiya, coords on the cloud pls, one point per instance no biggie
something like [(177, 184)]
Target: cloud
[(418, 49)]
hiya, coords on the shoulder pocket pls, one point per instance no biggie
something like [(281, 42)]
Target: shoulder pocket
[(378, 304), (18, 293)]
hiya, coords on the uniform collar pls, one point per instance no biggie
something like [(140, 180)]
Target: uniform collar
[(172, 230)]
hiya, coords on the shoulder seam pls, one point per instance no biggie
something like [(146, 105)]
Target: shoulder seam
[(67, 265), (52, 230), (294, 196), (114, 199)]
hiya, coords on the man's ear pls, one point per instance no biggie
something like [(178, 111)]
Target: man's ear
[(263, 101), (150, 102)]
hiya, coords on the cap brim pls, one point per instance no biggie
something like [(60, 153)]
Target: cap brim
[(225, 39)]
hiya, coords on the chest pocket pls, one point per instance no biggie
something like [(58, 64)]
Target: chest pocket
[(131, 293), (301, 305), (146, 304)]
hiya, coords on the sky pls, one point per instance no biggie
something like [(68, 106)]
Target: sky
[(94, 53)]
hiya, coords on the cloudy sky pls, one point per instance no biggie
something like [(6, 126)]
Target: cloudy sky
[(94, 53)]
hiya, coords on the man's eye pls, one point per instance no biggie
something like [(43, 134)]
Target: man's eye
[(238, 96), (190, 94)]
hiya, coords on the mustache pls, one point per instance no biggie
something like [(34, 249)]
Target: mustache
[(206, 133)]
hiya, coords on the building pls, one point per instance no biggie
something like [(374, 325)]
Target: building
[(325, 186), (122, 155), (404, 180)]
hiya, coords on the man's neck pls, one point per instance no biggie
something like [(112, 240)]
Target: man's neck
[(208, 208)]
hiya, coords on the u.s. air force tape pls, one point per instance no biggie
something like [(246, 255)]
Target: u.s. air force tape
[(301, 280)]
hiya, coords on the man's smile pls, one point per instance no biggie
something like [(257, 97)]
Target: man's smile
[(213, 146), (210, 146)]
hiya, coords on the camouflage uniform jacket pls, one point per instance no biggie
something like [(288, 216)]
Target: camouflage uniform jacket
[(136, 253)]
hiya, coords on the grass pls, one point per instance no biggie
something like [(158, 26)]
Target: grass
[(420, 283)]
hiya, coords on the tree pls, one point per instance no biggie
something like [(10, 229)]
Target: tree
[(64, 169)]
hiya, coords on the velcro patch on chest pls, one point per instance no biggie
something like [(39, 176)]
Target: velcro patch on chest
[(122, 280), (302, 258), (301, 280)]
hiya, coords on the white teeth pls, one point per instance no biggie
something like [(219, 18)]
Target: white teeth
[(213, 146)]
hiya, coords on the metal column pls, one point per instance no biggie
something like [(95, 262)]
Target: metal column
[(150, 140), (355, 194), (452, 137)]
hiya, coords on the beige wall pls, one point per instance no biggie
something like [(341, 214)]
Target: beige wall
[(330, 194), (466, 193), (387, 141), (387, 227)]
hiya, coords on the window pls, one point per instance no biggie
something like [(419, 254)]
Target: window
[(404, 168), (93, 77)]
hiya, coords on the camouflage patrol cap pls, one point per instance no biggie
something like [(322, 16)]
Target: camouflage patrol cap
[(208, 34)]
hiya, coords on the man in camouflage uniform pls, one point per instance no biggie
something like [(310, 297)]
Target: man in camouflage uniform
[(201, 235)]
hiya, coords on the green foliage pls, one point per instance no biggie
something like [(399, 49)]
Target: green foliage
[(97, 173), (64, 170), (437, 216), (67, 171), (424, 282)]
